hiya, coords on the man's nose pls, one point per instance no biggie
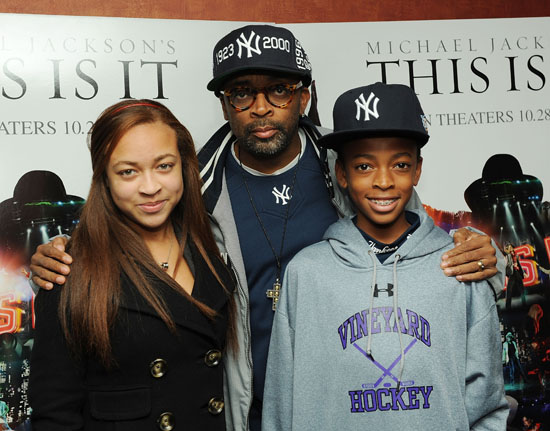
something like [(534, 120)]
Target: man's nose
[(261, 106)]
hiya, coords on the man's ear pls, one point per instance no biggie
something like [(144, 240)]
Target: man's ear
[(341, 174), (418, 171), (224, 108), (304, 100)]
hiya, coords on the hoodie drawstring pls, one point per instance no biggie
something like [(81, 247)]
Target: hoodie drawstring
[(402, 357), (372, 289), (395, 302)]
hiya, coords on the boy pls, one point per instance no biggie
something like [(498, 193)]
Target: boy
[(363, 334)]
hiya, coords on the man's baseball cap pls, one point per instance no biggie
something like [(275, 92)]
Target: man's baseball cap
[(377, 110), (259, 48)]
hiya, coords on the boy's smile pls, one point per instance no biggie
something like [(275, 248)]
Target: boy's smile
[(379, 174)]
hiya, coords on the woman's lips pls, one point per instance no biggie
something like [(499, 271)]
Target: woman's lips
[(152, 207)]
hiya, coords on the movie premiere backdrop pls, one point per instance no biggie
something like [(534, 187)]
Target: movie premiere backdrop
[(482, 83)]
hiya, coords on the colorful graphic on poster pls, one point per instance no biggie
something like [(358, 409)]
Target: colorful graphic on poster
[(39, 209), (507, 204)]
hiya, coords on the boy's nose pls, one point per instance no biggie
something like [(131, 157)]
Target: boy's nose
[(383, 179)]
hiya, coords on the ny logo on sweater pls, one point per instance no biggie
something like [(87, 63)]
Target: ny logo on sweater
[(283, 195)]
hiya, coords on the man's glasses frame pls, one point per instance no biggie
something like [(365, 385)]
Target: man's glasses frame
[(291, 88)]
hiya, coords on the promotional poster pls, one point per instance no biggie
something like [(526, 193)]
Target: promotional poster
[(483, 87), (482, 84)]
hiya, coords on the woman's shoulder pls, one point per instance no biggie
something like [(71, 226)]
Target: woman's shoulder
[(222, 268), (47, 299)]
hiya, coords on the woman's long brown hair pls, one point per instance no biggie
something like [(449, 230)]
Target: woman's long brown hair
[(104, 245)]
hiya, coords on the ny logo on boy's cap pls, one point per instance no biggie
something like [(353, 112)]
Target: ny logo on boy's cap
[(243, 42), (389, 110), (363, 104)]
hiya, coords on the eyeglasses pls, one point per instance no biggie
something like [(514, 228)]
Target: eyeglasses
[(278, 95)]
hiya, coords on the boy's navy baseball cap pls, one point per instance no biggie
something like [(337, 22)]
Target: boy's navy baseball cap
[(377, 110), (263, 48)]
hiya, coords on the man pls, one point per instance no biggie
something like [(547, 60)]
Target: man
[(269, 191), (515, 274), (510, 357)]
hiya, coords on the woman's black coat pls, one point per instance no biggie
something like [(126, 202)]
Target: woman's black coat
[(162, 381)]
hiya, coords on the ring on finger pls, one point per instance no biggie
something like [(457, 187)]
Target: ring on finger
[(481, 265)]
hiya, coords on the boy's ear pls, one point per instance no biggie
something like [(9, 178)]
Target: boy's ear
[(418, 171), (341, 174)]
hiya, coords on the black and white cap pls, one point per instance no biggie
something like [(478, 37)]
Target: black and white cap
[(259, 48), (377, 110)]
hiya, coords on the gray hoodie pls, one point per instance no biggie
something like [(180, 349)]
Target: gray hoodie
[(337, 351)]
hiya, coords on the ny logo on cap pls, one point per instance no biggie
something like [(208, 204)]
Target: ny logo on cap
[(247, 43), (364, 105)]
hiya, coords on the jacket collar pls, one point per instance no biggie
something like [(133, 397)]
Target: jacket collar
[(213, 155), (206, 289)]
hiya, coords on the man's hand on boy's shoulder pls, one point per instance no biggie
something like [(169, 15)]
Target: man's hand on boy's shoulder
[(472, 259), (50, 263)]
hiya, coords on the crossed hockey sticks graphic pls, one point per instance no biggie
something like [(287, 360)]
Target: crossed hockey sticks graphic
[(386, 371)]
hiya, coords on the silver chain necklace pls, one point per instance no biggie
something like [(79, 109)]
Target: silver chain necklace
[(165, 265), (275, 292)]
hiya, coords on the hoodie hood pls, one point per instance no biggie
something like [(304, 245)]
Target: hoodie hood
[(425, 240)]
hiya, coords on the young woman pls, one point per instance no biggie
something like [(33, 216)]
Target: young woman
[(134, 339)]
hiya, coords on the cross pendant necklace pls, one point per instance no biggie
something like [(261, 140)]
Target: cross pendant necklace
[(275, 292)]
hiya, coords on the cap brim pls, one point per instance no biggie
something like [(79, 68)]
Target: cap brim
[(333, 140), (216, 83)]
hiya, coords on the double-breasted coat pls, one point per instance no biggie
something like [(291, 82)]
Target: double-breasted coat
[(160, 381)]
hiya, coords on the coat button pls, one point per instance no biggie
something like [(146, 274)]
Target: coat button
[(215, 406), (212, 357), (158, 368), (166, 421)]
